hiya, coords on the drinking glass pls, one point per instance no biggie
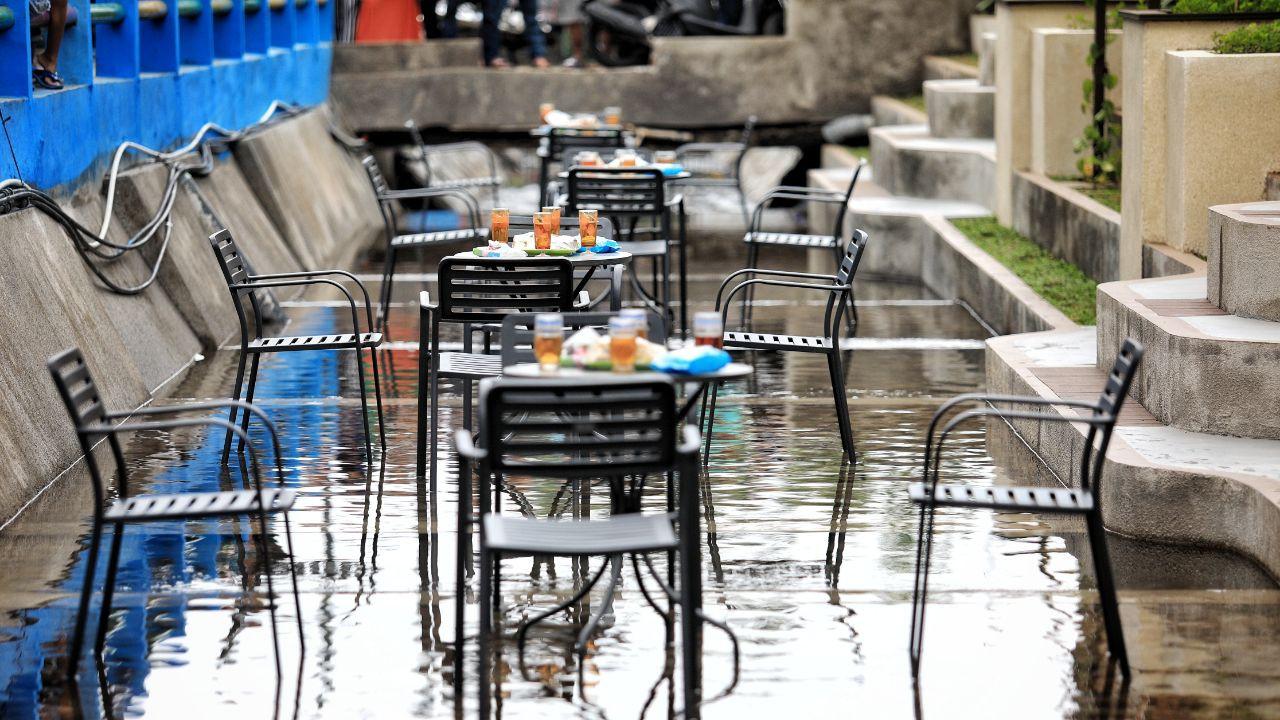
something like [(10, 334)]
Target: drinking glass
[(622, 344), (500, 225), (548, 339), (708, 329), (639, 320), (613, 115), (665, 157), (554, 210), (626, 158), (543, 110), (542, 230), (588, 226)]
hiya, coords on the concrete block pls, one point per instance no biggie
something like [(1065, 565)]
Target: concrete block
[(315, 192), (891, 111), (987, 59), (980, 25), (960, 108), (946, 68), (1059, 68), (1244, 262), (235, 206), (1221, 137), (909, 162), (1068, 224), (189, 273)]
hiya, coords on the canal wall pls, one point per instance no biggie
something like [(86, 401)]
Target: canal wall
[(137, 345)]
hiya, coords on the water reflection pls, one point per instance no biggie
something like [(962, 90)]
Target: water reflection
[(808, 559)]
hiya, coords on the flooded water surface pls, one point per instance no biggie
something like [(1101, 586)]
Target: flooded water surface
[(809, 560)]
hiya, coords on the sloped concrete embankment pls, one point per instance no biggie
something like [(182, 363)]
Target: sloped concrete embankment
[(294, 198)]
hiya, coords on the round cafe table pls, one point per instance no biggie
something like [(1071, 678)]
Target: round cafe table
[(589, 261)]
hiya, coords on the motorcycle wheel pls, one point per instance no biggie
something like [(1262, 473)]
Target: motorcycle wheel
[(613, 50)]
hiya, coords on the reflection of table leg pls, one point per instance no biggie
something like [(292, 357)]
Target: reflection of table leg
[(615, 287)]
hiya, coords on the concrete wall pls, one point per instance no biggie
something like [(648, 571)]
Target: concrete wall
[(1149, 36), (1244, 259), (834, 57), (1222, 137), (1059, 68), (1068, 224), (139, 344)]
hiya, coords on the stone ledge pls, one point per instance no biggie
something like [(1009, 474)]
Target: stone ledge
[(1159, 483), (911, 163), (940, 67), (960, 108), (1067, 223), (892, 111), (1244, 261), (1205, 370)]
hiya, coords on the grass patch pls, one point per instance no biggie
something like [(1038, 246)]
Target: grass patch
[(966, 58), (859, 151), (1057, 281), (1104, 193), (915, 101)]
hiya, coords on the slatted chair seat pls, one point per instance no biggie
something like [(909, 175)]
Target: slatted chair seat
[(1030, 499), (472, 365), (314, 342), (617, 534), (474, 182), (826, 242), (770, 341), (442, 237), (645, 248), (143, 508)]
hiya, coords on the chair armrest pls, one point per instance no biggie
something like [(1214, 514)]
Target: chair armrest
[(691, 442), (710, 147), (466, 447), (368, 305), (473, 206), (584, 299), (424, 301), (355, 316), (775, 283), (209, 422)]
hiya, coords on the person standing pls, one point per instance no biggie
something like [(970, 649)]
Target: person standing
[(570, 17), (44, 66), (491, 33)]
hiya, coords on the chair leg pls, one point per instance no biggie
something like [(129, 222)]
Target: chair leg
[(265, 563), (364, 416), (486, 629), (86, 594), (711, 423), (108, 588), (226, 444), (841, 401), (669, 315), (434, 429), (748, 302), (920, 591), (293, 575), (388, 275), (424, 395), (377, 396), (248, 398), (1107, 590)]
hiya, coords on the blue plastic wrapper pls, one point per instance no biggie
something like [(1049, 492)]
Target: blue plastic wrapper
[(671, 170), (697, 360), (608, 246)]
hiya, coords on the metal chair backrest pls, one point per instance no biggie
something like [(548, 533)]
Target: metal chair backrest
[(1114, 392), (852, 257), (423, 154), (88, 414), (380, 188), (236, 270), (572, 140), (748, 129), (618, 192), (517, 332), (524, 223), (567, 428), (838, 229), (1120, 378), (486, 291)]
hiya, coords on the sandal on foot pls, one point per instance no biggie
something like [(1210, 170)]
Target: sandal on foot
[(46, 79)]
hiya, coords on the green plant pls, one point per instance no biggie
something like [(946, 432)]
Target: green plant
[(1219, 7), (1099, 146), (1064, 285), (1252, 38)]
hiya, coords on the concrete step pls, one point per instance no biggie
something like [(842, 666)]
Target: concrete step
[(1159, 483), (960, 109), (1244, 259), (1204, 370), (892, 111), (912, 163)]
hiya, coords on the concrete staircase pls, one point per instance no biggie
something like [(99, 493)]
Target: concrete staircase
[(1197, 454)]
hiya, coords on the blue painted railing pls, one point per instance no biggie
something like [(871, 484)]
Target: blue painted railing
[(153, 71)]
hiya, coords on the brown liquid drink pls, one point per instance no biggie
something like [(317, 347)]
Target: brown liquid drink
[(548, 340), (554, 211), (500, 225), (708, 329), (542, 230), (622, 344), (588, 226)]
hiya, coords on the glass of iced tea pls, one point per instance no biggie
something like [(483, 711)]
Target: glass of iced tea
[(708, 329), (639, 320), (588, 226), (554, 210), (542, 230), (544, 110), (590, 158), (665, 157), (613, 115), (622, 344), (626, 158), (500, 226), (548, 339)]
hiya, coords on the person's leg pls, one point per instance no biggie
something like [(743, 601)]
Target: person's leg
[(449, 24), (490, 34), (57, 26), (533, 32), (571, 20), (430, 20)]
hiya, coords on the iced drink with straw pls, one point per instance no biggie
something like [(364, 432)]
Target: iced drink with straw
[(542, 230), (554, 210), (500, 226), (588, 226)]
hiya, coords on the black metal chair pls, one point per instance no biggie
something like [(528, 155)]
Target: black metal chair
[(254, 343), (561, 143), (93, 422), (473, 293), (630, 196), (389, 200), (441, 153), (718, 164), (839, 291), (621, 431), (1083, 500)]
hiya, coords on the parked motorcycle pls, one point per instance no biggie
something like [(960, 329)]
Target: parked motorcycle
[(619, 32)]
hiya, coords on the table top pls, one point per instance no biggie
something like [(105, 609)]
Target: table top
[(732, 371), (582, 259), (544, 130), (682, 175)]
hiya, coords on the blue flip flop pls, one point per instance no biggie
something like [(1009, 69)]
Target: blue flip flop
[(46, 79)]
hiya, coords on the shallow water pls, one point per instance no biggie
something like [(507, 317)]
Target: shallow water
[(810, 563)]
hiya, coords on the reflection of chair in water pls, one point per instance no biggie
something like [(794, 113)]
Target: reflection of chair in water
[(623, 431), (93, 422), (1084, 500)]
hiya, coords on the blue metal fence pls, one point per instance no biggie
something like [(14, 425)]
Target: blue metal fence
[(153, 71)]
